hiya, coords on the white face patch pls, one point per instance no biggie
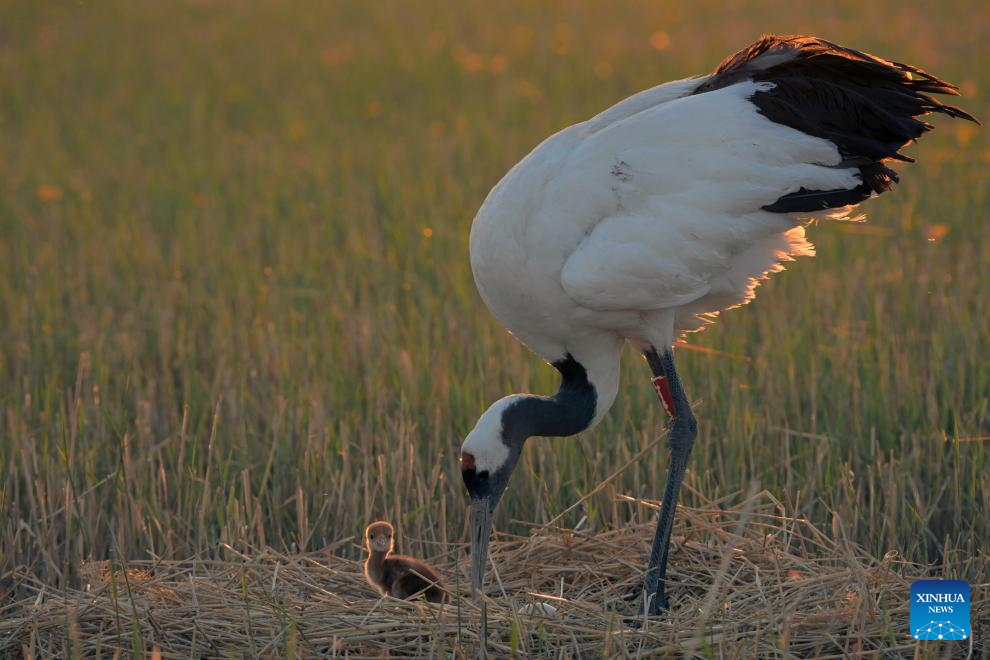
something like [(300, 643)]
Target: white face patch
[(484, 442)]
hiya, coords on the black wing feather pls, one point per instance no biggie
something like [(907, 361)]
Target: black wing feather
[(866, 106)]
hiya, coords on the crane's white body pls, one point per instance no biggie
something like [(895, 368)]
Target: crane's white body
[(643, 222)]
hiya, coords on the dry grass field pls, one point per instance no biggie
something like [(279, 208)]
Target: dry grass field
[(237, 322)]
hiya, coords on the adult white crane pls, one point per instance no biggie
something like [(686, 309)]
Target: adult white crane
[(649, 219)]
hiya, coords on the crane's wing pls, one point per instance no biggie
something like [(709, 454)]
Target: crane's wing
[(699, 189), (681, 189)]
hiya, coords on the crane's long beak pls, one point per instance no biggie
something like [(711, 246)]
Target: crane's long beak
[(481, 534)]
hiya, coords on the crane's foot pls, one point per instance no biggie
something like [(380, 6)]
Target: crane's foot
[(658, 605)]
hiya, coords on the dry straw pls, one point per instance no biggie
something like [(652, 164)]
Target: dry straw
[(746, 581)]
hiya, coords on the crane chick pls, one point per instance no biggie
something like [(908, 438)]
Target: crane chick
[(397, 575)]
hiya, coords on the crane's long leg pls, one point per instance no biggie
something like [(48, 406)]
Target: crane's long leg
[(681, 434)]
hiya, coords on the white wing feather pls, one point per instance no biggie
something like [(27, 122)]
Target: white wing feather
[(679, 186)]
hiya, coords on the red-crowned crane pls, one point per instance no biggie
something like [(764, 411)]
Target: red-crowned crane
[(649, 219)]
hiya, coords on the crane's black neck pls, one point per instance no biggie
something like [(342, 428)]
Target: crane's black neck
[(567, 412)]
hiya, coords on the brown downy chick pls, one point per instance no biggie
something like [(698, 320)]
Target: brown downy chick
[(397, 575)]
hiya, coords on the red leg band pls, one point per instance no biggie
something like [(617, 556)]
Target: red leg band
[(662, 388)]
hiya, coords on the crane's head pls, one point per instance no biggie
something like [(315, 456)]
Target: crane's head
[(488, 456)]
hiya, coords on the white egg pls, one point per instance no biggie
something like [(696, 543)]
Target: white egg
[(539, 609)]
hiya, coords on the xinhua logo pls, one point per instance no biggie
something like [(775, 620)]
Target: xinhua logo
[(940, 609)]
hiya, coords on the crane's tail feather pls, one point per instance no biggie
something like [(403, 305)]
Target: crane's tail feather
[(877, 178), (868, 107)]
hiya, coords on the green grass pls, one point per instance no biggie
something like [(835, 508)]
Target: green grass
[(222, 319)]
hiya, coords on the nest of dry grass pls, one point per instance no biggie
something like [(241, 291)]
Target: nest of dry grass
[(745, 581)]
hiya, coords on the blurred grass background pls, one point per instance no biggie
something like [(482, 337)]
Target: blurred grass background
[(236, 304)]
